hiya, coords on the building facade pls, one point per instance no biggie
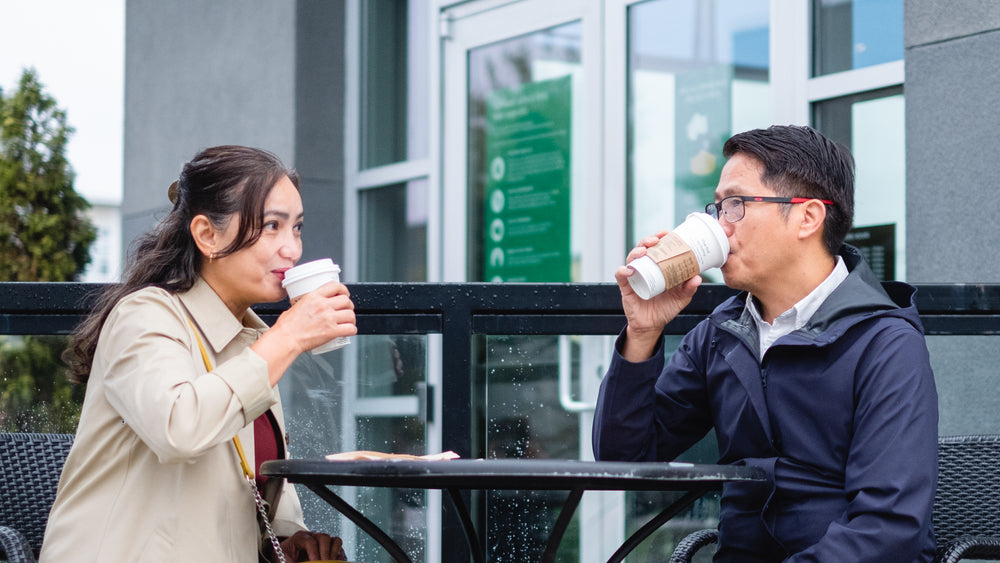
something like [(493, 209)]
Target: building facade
[(537, 140), (105, 254)]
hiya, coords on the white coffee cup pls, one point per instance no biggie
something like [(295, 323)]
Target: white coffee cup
[(696, 245), (308, 277)]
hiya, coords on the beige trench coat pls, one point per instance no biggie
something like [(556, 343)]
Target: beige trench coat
[(153, 474)]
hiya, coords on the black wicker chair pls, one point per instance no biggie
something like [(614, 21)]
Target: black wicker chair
[(30, 465), (966, 508), (687, 547)]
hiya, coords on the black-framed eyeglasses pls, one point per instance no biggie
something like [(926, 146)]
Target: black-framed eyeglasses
[(733, 210)]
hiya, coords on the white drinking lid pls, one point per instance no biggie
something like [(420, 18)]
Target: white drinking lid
[(323, 265), (717, 232)]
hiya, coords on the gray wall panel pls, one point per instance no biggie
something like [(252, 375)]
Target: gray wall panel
[(199, 74), (930, 21), (951, 146), (319, 127)]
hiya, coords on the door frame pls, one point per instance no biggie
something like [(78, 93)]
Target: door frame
[(465, 26)]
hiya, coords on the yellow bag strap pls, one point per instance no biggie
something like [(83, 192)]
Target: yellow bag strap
[(236, 439)]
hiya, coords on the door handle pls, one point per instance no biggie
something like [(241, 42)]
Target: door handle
[(566, 399)]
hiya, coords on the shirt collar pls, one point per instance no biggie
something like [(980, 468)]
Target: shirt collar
[(213, 318), (800, 313)]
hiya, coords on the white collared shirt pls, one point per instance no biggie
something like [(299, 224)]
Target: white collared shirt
[(796, 317)]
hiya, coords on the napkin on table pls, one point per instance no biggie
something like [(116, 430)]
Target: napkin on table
[(370, 455)]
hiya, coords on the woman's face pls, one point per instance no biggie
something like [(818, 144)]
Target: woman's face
[(254, 274)]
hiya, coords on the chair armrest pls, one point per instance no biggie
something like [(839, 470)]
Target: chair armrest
[(15, 545), (969, 547), (691, 543)]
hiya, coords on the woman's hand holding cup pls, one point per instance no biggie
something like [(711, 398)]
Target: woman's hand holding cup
[(314, 287), (323, 319)]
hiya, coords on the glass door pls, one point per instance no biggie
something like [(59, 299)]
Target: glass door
[(569, 131), (521, 141), (523, 194)]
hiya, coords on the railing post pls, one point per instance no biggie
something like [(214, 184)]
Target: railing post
[(457, 382)]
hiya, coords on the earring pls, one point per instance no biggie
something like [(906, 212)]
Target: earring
[(211, 258)]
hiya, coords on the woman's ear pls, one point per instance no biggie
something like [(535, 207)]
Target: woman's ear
[(204, 234)]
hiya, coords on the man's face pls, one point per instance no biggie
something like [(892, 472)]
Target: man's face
[(760, 241)]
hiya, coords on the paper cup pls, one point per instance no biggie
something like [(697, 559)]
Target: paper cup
[(696, 245), (706, 238), (648, 279), (308, 277)]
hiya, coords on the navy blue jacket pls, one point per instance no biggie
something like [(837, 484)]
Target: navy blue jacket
[(841, 415)]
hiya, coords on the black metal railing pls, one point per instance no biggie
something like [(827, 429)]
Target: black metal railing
[(460, 311)]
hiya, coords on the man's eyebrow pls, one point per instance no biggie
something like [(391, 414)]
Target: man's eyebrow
[(726, 191)]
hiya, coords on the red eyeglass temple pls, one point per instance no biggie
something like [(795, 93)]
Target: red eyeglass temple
[(805, 199), (798, 200)]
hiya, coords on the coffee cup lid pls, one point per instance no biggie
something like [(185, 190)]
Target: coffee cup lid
[(323, 265), (708, 255)]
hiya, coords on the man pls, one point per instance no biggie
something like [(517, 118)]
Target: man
[(816, 372)]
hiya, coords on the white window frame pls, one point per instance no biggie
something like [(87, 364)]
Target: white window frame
[(420, 103)]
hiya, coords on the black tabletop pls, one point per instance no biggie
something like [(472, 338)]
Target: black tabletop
[(511, 474)]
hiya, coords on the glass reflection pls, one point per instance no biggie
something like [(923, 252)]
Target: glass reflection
[(402, 513), (524, 420), (391, 365), (384, 82), (698, 71), (873, 126), (321, 418), (393, 50), (543, 63), (394, 233), (851, 34), (35, 395)]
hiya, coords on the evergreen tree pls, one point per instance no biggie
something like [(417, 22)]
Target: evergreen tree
[(44, 236)]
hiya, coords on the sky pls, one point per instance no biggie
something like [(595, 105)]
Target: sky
[(78, 51)]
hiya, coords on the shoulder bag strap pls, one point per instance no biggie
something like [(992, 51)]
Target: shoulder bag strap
[(247, 471)]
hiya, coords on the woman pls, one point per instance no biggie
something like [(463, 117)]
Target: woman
[(154, 473)]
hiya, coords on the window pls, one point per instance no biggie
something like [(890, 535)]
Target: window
[(862, 106), (698, 72), (393, 64), (852, 34), (523, 184), (872, 125), (394, 232)]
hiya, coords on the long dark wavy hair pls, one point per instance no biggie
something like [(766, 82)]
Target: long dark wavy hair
[(219, 182)]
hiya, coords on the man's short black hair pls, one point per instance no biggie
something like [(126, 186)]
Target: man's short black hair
[(798, 161)]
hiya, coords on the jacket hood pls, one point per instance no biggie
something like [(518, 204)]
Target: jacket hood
[(863, 296), (859, 297)]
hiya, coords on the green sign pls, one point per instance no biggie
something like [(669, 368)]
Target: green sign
[(703, 125), (527, 213)]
